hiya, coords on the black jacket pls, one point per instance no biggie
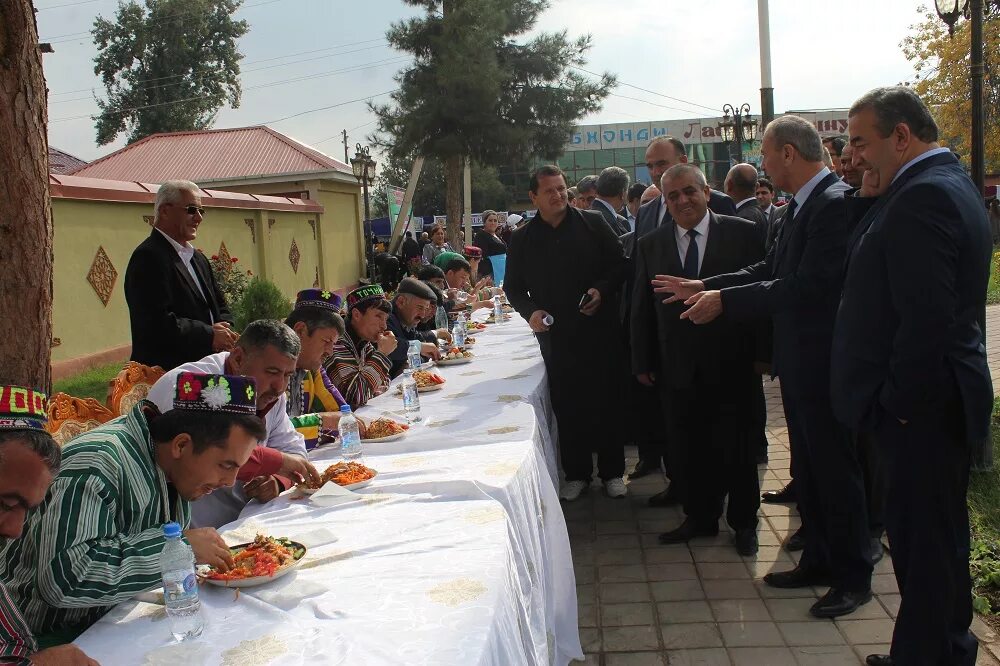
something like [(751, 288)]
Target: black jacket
[(171, 320), (681, 353), (751, 211), (618, 223), (798, 286), (649, 212), (908, 333)]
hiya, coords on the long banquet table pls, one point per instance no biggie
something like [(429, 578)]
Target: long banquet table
[(457, 553)]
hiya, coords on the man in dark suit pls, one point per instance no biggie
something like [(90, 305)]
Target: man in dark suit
[(662, 153), (177, 311), (799, 286), (612, 188), (568, 264), (909, 363), (705, 374)]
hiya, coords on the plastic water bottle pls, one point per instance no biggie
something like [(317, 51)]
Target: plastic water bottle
[(497, 309), (413, 355), (411, 397), (350, 435), (180, 585), (458, 333), (441, 318), (548, 320)]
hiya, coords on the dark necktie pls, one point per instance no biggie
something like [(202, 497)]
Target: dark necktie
[(691, 258)]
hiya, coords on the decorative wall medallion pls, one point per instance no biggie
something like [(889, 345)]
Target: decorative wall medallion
[(270, 223), (312, 223), (148, 219), (102, 275), (457, 592), (253, 229), (224, 257), (294, 256), (316, 281)]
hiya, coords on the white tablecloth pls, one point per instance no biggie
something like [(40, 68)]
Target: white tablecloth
[(457, 553)]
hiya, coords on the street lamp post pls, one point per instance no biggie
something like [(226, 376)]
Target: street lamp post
[(949, 11), (363, 167), (737, 126)]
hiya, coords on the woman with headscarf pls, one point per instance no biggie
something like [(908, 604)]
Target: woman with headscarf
[(437, 245), (494, 250)]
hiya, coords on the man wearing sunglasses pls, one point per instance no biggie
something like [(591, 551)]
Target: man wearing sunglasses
[(177, 311)]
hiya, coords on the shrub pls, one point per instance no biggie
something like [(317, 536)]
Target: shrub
[(261, 300), (231, 279)]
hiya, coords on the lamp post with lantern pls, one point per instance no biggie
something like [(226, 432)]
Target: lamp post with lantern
[(363, 167), (737, 126)]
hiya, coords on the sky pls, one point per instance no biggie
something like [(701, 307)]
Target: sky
[(310, 65)]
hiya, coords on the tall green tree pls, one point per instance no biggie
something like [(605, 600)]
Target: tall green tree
[(428, 198), (473, 90), (167, 66)]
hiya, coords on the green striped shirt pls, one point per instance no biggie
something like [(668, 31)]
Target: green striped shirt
[(96, 539)]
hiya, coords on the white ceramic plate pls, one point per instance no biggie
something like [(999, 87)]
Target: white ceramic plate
[(420, 389), (390, 438), (455, 361), (352, 486), (259, 580)]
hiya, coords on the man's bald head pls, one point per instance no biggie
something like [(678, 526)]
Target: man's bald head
[(741, 182), (649, 194)]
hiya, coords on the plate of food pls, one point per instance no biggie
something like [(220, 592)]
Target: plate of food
[(426, 381), (455, 356), (474, 326), (349, 475), (492, 319), (258, 562), (384, 430)]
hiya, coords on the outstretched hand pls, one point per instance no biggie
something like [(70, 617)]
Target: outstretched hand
[(680, 289)]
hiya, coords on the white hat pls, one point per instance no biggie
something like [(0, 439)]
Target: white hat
[(513, 219)]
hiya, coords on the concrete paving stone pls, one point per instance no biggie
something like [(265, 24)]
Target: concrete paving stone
[(579, 527), (758, 570), (864, 650), (750, 634), (590, 639), (773, 553), (785, 523), (739, 610), (621, 556), (884, 584), (768, 592), (700, 657), (722, 570), (671, 571), (826, 655), (625, 615), (677, 590), (587, 615), (890, 602), (767, 538), (623, 593), (761, 656), (771, 484), (636, 659), (660, 525), (616, 527), (630, 639), (730, 589), (622, 573), (586, 593), (583, 555), (671, 554), (679, 612), (863, 632), (870, 611), (694, 635), (777, 509), (811, 633), (715, 554), (791, 610), (585, 574), (616, 541)]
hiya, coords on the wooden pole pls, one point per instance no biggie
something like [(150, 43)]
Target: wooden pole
[(397, 230)]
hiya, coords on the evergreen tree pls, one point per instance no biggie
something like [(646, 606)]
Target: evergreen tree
[(474, 91), (167, 67)]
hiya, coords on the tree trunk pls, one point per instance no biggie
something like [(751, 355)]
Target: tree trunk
[(25, 212), (453, 199)]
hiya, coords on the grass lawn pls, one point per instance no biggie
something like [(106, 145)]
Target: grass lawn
[(91, 383), (984, 514), (993, 289)]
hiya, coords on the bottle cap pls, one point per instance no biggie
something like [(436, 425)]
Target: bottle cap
[(548, 320), (345, 409), (171, 530)]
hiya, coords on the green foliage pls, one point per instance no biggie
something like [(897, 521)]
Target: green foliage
[(166, 67), (231, 279), (428, 199), (261, 300), (984, 517), (993, 288), (92, 383)]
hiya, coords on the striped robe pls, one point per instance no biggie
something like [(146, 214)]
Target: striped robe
[(16, 639), (310, 393), (358, 370), (96, 539)]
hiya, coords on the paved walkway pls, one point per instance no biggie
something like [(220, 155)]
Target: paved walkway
[(644, 604)]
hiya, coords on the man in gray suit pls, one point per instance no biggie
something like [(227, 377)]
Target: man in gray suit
[(612, 188)]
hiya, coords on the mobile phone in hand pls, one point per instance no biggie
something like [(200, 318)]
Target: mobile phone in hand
[(583, 301)]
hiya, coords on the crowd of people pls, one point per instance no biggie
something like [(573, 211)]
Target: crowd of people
[(863, 293), (669, 303)]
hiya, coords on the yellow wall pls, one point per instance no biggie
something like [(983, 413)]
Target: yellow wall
[(85, 326)]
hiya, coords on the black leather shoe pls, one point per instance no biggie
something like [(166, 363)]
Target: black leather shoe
[(784, 496), (879, 660), (746, 541), (877, 551), (643, 468), (797, 577), (796, 542), (687, 531), (666, 497), (837, 602)]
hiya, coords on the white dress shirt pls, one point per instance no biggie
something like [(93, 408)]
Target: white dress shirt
[(920, 158), (802, 196), (683, 240), (225, 504), (661, 212)]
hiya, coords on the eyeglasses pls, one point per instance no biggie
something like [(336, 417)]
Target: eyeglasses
[(192, 209)]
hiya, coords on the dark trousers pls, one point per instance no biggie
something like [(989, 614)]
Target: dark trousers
[(709, 453), (587, 421), (758, 419), (872, 474), (927, 520), (646, 414), (829, 489)]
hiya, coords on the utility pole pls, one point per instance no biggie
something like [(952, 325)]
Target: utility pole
[(347, 159), (766, 87)]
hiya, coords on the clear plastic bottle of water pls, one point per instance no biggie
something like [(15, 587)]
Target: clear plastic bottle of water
[(413, 355), (458, 333), (441, 318), (497, 309), (411, 397), (350, 435), (180, 585)]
